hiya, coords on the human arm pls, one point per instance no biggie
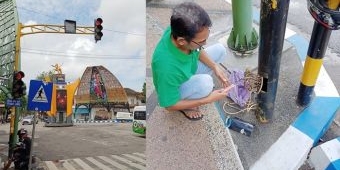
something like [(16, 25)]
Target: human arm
[(220, 74), (212, 97)]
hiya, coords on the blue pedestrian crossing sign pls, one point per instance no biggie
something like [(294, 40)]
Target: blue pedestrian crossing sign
[(39, 96)]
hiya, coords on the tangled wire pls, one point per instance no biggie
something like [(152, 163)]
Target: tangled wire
[(247, 83)]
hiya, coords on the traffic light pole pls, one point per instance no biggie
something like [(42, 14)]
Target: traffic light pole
[(34, 29), (15, 117)]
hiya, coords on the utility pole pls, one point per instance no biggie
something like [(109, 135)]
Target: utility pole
[(272, 30), (35, 29)]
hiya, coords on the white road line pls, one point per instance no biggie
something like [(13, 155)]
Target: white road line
[(97, 163), (82, 164), (289, 33), (114, 163), (135, 158), (324, 85), (51, 165), (140, 154), (129, 162), (68, 166)]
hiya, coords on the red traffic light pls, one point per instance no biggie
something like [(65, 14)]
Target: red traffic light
[(99, 21), (98, 29), (18, 86)]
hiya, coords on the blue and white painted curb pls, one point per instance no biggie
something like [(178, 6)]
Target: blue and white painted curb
[(101, 121), (326, 156), (94, 121), (291, 149)]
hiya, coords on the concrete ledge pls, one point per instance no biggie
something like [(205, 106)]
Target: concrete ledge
[(98, 121), (326, 155), (58, 124), (292, 148), (174, 142)]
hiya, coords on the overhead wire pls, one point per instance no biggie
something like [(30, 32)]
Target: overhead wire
[(121, 32), (80, 55), (75, 54)]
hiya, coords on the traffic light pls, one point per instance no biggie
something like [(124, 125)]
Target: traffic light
[(61, 100), (98, 29), (19, 87)]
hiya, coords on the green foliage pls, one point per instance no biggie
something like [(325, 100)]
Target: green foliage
[(144, 93), (45, 74), (3, 96)]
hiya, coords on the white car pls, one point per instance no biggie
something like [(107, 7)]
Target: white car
[(28, 120)]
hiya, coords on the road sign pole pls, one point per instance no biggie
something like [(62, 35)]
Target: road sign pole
[(11, 133), (33, 132)]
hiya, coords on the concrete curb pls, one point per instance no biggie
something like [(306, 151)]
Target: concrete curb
[(95, 121), (292, 148), (326, 155)]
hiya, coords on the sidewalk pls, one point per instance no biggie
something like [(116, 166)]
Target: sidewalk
[(205, 144), (249, 149)]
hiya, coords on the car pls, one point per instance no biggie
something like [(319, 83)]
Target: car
[(28, 120)]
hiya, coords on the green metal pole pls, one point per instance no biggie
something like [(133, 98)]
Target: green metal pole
[(11, 133), (243, 37)]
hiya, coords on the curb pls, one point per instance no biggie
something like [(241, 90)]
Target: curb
[(326, 155), (292, 148), (99, 121)]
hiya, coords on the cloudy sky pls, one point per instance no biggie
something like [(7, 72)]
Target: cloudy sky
[(121, 50)]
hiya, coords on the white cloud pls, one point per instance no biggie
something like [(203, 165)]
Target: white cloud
[(124, 37), (82, 44)]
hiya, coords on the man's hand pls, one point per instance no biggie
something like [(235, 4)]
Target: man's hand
[(220, 74), (219, 94)]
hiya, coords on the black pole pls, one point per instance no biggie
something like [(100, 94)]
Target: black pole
[(327, 18), (272, 30), (316, 51)]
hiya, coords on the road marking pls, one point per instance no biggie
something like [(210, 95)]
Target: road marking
[(97, 142), (129, 162), (140, 154), (121, 162), (97, 163), (68, 166), (135, 158), (82, 164), (112, 162), (51, 165)]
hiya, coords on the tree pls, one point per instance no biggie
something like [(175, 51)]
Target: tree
[(3, 97), (144, 93), (45, 75)]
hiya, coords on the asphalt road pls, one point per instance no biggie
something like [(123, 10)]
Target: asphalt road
[(84, 140)]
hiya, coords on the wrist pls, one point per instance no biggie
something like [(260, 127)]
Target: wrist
[(205, 100)]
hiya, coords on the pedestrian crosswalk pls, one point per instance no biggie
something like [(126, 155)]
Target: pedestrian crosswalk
[(131, 161)]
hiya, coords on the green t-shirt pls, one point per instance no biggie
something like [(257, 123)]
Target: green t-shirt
[(171, 68)]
